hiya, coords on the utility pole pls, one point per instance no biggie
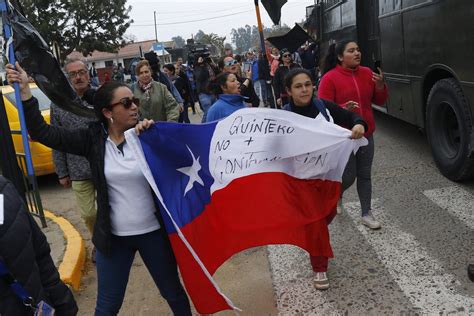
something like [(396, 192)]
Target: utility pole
[(156, 31), (156, 38)]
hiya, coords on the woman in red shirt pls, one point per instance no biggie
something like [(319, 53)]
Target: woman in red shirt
[(355, 88)]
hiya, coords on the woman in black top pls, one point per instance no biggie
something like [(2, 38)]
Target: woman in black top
[(25, 252), (299, 87), (182, 87), (300, 90), (127, 217), (286, 64)]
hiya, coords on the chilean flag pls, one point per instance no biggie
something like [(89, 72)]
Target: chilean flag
[(257, 177)]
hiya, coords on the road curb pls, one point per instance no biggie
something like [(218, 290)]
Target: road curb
[(70, 269)]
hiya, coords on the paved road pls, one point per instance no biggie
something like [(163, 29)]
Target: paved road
[(415, 264)]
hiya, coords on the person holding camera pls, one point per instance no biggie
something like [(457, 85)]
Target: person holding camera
[(204, 72), (355, 88)]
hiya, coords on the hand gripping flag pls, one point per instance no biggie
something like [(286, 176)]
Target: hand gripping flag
[(257, 177)]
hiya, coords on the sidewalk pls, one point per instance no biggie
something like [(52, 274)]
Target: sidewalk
[(67, 248)]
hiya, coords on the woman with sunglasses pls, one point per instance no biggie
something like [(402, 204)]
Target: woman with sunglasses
[(229, 65), (127, 219), (286, 64), (157, 103)]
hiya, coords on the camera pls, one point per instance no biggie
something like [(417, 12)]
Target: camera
[(196, 51), (153, 60)]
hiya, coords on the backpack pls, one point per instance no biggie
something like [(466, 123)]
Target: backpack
[(318, 103), (321, 107)]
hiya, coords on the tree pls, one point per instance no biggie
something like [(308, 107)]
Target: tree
[(214, 39), (248, 37), (82, 25), (242, 38), (199, 35), (179, 41), (276, 30), (129, 38), (48, 16)]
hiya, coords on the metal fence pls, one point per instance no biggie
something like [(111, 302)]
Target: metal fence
[(33, 199)]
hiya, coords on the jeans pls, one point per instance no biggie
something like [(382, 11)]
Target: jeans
[(95, 82), (113, 271), (360, 167), (206, 100)]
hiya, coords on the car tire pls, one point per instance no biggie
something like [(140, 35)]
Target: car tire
[(449, 127)]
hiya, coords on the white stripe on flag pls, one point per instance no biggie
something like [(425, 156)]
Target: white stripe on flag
[(252, 141)]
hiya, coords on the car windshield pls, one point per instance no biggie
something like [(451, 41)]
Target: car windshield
[(43, 100)]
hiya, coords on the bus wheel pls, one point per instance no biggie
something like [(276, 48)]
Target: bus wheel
[(448, 127)]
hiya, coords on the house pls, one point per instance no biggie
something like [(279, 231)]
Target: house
[(163, 54), (104, 61)]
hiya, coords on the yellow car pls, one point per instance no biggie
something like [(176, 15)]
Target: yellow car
[(42, 155)]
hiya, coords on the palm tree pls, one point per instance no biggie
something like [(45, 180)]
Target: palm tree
[(214, 39)]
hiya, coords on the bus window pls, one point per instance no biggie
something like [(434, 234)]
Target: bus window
[(389, 6)]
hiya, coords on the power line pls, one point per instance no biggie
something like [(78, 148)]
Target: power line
[(203, 19), (200, 11), (167, 20), (199, 20)]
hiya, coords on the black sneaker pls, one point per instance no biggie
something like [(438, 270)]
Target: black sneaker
[(470, 272)]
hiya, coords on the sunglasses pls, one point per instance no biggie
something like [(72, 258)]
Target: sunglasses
[(127, 102), (286, 55), (230, 63)]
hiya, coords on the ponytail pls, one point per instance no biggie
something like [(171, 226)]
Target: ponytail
[(331, 59)]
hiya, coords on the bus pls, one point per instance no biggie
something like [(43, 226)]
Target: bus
[(426, 50)]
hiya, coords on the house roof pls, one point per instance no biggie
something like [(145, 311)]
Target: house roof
[(130, 50), (159, 49)]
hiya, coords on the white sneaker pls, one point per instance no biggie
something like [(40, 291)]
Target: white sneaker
[(370, 221), (321, 281), (340, 207)]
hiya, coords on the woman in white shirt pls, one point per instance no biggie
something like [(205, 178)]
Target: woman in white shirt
[(127, 217)]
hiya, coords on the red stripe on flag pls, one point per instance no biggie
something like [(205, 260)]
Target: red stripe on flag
[(256, 210)]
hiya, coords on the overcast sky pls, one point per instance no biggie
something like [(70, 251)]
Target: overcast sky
[(179, 17)]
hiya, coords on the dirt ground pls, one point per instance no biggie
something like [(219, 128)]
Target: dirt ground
[(245, 278)]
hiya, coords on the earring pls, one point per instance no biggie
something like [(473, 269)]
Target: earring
[(111, 121)]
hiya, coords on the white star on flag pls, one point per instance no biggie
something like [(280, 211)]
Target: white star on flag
[(192, 172)]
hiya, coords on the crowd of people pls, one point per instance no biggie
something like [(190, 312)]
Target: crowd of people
[(93, 157)]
